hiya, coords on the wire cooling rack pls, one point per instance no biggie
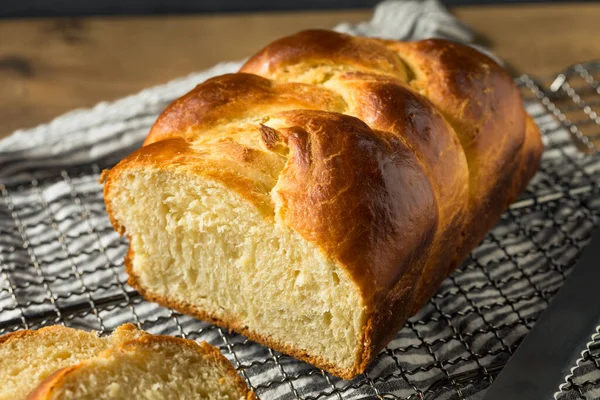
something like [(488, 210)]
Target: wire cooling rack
[(62, 263)]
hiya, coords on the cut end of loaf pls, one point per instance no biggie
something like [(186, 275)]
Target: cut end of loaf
[(204, 249)]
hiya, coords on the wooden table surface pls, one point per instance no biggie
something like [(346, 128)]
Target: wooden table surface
[(50, 66)]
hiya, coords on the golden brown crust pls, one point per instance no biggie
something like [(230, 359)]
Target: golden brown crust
[(44, 390), (396, 160), (9, 337), (47, 388), (319, 47), (530, 158), (128, 327), (234, 97), (215, 355), (483, 105)]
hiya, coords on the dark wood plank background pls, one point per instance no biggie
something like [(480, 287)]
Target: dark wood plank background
[(58, 8), (51, 65)]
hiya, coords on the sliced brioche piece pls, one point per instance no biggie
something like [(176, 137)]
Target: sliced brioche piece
[(28, 357), (151, 367)]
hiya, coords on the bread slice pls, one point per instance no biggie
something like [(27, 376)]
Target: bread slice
[(28, 357), (150, 367)]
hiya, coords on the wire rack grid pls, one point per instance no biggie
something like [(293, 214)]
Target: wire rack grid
[(62, 263)]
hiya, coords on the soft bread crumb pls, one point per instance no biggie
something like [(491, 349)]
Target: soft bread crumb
[(267, 277)]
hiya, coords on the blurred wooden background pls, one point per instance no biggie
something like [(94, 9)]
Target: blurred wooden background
[(52, 65)]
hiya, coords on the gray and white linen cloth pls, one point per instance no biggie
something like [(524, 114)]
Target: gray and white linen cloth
[(61, 262)]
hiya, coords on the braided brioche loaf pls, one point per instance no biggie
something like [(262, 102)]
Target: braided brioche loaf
[(318, 198)]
